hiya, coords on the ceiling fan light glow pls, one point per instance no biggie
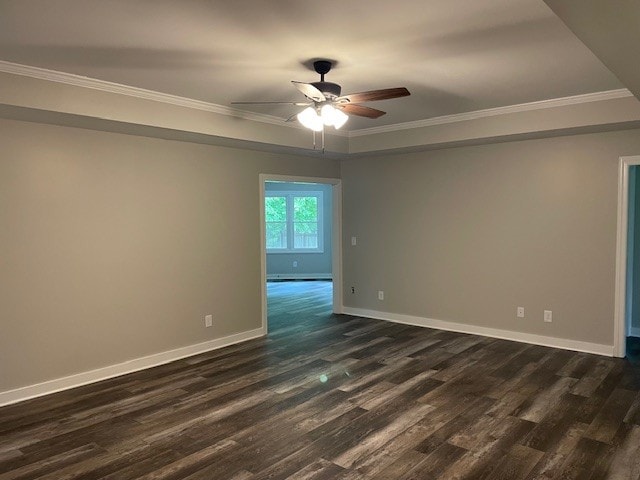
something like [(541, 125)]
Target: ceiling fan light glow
[(327, 113), (339, 118), (310, 119), (331, 116)]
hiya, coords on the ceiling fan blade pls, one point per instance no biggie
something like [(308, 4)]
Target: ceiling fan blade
[(310, 91), (297, 104), (360, 110), (374, 95)]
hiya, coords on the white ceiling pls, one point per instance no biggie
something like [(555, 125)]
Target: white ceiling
[(453, 55)]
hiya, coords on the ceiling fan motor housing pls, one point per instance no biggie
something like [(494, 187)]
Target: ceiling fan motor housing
[(330, 90)]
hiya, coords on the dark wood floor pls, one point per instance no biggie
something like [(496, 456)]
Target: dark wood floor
[(339, 397)]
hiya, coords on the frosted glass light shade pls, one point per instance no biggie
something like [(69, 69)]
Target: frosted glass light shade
[(326, 113), (331, 116), (339, 118), (310, 119)]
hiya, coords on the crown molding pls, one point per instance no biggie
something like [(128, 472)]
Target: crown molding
[(120, 89), (490, 112)]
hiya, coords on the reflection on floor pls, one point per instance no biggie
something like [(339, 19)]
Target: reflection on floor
[(298, 301)]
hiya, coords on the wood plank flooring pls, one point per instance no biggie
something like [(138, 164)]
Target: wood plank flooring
[(340, 397)]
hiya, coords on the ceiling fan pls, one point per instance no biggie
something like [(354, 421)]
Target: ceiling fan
[(327, 107)]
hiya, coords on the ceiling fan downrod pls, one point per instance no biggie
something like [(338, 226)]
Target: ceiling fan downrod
[(329, 89)]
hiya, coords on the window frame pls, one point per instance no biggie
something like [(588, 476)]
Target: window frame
[(289, 201)]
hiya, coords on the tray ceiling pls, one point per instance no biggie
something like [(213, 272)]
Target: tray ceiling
[(455, 56)]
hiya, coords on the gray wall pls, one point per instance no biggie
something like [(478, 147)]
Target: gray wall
[(114, 247), (468, 234), (309, 264)]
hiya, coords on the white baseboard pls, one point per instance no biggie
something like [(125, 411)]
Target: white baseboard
[(634, 331), (299, 276), (562, 343), (92, 376)]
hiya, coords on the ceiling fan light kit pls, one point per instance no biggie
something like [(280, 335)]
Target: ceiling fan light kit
[(327, 115), (326, 107)]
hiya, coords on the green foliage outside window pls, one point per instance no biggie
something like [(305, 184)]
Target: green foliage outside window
[(275, 209), (303, 225)]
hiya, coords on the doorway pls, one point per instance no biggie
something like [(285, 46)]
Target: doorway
[(295, 245), (627, 296)]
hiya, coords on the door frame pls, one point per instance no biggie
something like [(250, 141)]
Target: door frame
[(336, 237), (620, 309)]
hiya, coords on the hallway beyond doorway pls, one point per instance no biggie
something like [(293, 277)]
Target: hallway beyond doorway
[(302, 301)]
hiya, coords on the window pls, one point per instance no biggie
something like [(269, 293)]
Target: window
[(293, 222)]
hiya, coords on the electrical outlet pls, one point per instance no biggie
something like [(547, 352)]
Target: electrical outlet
[(354, 240), (208, 320), (548, 316), (295, 264), (380, 295), (520, 312)]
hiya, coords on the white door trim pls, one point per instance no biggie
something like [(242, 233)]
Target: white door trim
[(336, 237), (620, 327)]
